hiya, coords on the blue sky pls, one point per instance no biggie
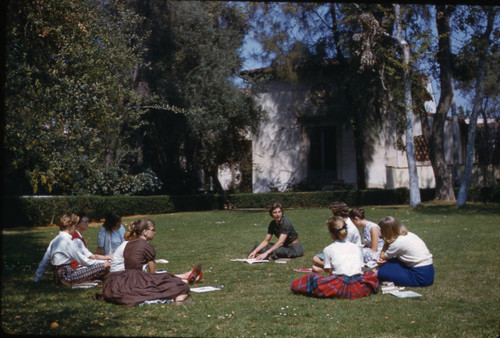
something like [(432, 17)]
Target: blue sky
[(458, 38)]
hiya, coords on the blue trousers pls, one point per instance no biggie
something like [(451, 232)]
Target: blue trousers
[(396, 271)]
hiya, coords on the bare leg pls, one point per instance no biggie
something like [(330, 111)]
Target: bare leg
[(181, 298), (184, 276), (318, 265)]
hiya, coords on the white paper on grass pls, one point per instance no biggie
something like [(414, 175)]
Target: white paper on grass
[(205, 289), (249, 260), (156, 301), (405, 294), (84, 285)]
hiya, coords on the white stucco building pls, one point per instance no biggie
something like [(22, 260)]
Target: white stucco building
[(294, 143)]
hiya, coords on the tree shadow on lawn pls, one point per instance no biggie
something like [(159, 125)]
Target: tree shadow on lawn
[(31, 308), (22, 251), (443, 209)]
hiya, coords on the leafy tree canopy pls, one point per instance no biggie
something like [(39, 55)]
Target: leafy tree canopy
[(71, 111)]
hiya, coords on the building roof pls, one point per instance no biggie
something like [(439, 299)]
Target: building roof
[(304, 66)]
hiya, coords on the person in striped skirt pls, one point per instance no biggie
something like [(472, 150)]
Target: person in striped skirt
[(62, 250)]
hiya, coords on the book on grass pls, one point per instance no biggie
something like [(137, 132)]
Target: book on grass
[(388, 287), (249, 260), (85, 285), (405, 294)]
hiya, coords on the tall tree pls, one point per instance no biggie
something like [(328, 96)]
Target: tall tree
[(372, 25), (410, 147), (481, 45), (435, 137), (71, 111), (193, 50)]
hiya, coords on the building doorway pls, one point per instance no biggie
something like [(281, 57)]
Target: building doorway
[(323, 153)]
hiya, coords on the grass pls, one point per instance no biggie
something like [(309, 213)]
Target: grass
[(256, 299)]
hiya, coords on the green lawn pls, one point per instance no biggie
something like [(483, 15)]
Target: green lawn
[(256, 299)]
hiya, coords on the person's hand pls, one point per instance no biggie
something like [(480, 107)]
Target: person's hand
[(381, 261), (107, 264), (251, 255), (261, 256)]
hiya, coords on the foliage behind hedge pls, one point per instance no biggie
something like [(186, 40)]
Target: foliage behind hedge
[(37, 211)]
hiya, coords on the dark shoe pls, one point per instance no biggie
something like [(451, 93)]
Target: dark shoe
[(194, 273)]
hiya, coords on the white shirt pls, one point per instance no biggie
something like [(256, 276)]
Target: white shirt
[(344, 258), (353, 233), (61, 251), (81, 246), (409, 249), (110, 241), (117, 261)]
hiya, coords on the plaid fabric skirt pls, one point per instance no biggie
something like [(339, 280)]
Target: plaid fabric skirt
[(67, 276), (334, 286)]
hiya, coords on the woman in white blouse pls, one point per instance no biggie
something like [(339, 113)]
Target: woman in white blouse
[(405, 259), (62, 250)]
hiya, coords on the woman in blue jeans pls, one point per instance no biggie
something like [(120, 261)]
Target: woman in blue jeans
[(405, 259)]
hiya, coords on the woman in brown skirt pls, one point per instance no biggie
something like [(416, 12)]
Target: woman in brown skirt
[(133, 285)]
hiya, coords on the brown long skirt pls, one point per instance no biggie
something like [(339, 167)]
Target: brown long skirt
[(131, 287)]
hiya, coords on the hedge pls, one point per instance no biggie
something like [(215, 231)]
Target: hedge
[(39, 211)]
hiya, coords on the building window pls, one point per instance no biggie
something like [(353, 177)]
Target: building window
[(323, 153), (421, 151)]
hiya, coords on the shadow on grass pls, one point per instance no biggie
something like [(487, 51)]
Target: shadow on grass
[(441, 208), (23, 247), (250, 210)]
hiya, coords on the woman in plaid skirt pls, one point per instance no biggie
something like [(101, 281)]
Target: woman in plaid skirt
[(343, 263), (62, 250)]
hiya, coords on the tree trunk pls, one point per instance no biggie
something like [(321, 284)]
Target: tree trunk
[(410, 147), (484, 41), (456, 142), (442, 173)]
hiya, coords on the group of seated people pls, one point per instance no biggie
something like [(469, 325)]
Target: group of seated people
[(124, 266), (388, 249), (126, 261)]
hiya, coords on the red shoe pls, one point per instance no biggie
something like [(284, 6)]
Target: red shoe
[(194, 273), (199, 277)]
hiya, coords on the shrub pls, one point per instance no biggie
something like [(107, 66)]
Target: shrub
[(29, 211)]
